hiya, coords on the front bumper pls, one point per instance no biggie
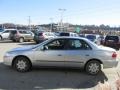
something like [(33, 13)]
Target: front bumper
[(7, 60)]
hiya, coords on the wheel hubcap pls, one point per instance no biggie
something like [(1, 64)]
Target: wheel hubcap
[(21, 64), (93, 68)]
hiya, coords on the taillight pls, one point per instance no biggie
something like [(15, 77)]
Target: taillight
[(114, 55)]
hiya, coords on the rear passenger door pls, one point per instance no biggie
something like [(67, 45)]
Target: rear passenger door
[(25, 34), (77, 53), (29, 35)]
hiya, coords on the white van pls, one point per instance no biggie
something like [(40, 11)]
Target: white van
[(5, 34)]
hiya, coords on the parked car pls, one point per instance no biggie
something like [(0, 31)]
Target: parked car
[(63, 52), (112, 41), (5, 34), (71, 34), (21, 35), (42, 36), (102, 37), (94, 38), (1, 30)]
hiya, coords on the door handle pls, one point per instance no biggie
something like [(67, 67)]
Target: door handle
[(59, 55)]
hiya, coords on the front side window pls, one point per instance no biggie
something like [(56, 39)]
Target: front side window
[(56, 44), (23, 32), (77, 44)]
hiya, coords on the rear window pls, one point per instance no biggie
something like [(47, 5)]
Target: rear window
[(114, 38), (64, 34)]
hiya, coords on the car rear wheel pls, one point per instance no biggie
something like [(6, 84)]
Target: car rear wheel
[(21, 40), (93, 67), (22, 64)]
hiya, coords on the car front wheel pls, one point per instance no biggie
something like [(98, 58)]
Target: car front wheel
[(22, 64), (93, 67)]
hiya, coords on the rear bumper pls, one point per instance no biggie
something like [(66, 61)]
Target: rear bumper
[(110, 63)]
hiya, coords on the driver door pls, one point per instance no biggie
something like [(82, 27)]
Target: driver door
[(52, 54)]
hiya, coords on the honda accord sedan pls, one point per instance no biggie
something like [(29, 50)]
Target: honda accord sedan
[(67, 52)]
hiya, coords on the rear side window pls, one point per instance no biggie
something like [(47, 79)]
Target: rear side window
[(76, 44), (23, 32), (13, 32), (113, 38)]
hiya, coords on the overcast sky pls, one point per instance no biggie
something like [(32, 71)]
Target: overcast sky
[(77, 11)]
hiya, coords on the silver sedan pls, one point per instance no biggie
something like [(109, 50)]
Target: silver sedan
[(63, 52)]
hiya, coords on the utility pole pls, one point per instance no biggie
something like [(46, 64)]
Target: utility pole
[(29, 22), (61, 17), (51, 24), (16, 27)]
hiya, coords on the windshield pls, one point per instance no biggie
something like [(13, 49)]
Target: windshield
[(113, 38)]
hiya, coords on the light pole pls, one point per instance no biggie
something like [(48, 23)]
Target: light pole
[(51, 19), (29, 22), (61, 17)]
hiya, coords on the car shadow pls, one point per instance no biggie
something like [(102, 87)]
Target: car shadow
[(47, 78), (6, 41)]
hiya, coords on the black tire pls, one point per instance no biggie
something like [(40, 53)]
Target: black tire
[(0, 37), (14, 40), (22, 64), (93, 67), (21, 40)]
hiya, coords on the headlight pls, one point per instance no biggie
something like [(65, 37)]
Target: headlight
[(8, 54)]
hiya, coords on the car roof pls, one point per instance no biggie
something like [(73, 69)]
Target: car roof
[(68, 37)]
